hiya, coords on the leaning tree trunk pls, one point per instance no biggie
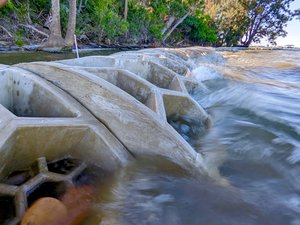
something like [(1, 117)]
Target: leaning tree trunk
[(55, 38), (69, 39), (178, 23), (168, 24)]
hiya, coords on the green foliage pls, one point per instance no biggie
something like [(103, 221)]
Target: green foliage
[(7, 9), (148, 19), (178, 9), (145, 25), (267, 19), (105, 17), (247, 21), (64, 15), (200, 29), (19, 42), (19, 39), (230, 22)]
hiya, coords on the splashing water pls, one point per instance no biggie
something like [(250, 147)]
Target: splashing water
[(252, 148), (254, 143)]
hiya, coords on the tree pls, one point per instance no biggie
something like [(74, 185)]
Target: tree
[(267, 19), (125, 9), (106, 20), (179, 21), (297, 14), (55, 38), (199, 28), (246, 21), (167, 15), (69, 39), (232, 21)]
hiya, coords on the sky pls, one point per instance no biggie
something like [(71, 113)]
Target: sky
[(293, 29)]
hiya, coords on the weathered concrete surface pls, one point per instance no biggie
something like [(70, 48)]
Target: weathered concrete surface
[(136, 95), (38, 119), (140, 129), (102, 110), (102, 85)]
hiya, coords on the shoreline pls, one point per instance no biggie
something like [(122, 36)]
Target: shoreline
[(92, 48)]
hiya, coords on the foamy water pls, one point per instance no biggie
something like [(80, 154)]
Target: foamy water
[(252, 152), (253, 98)]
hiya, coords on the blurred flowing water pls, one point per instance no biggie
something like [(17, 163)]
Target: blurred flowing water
[(254, 142), (256, 112), (253, 98)]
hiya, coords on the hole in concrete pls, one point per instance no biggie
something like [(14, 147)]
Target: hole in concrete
[(26, 144), (186, 126), (92, 175), (150, 71), (7, 209), (63, 166), (46, 189), (159, 79), (176, 85), (27, 98), (134, 87), (156, 74), (185, 116), (125, 81), (19, 177)]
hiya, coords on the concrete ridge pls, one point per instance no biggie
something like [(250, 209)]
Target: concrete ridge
[(101, 109)]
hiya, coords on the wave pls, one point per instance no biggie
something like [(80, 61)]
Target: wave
[(203, 73)]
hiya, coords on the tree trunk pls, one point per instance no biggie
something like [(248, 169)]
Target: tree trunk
[(168, 25), (28, 11), (69, 40), (31, 27), (6, 31), (125, 9), (55, 39), (248, 42), (178, 23), (79, 7)]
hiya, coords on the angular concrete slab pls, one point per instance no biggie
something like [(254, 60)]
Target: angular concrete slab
[(139, 128), (104, 110), (25, 95), (130, 93), (125, 90), (39, 119)]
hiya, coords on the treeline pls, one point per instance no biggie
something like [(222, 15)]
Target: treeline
[(143, 22)]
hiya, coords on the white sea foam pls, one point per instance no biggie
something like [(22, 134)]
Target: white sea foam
[(203, 73)]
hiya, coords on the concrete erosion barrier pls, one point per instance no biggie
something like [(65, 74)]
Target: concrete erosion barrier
[(102, 109)]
